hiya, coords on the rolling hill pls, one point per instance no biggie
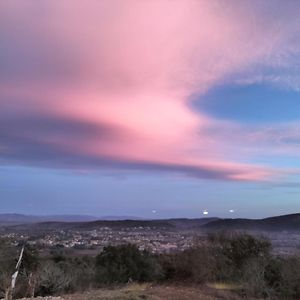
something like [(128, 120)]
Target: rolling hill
[(22, 223), (162, 224), (279, 223)]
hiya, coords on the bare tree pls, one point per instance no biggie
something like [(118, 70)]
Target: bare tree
[(52, 279)]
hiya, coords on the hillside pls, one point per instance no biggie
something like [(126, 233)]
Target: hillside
[(168, 224), (34, 225), (279, 223)]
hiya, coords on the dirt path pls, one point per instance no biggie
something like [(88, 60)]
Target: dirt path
[(154, 292)]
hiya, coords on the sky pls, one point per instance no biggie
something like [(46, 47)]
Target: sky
[(153, 109)]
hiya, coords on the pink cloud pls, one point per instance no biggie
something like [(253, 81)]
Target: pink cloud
[(133, 65)]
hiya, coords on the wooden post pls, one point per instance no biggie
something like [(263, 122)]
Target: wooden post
[(9, 291), (8, 294)]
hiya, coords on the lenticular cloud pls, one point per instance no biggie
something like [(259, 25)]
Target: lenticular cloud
[(114, 79)]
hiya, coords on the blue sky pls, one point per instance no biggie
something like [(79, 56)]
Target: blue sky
[(39, 192), (252, 104), (125, 108)]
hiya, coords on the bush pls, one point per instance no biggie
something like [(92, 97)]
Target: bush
[(235, 251), (83, 270), (56, 276), (53, 279), (195, 265), (124, 263), (236, 258), (253, 278), (289, 283), (274, 278)]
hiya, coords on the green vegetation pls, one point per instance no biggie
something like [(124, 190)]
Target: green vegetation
[(126, 263), (240, 263)]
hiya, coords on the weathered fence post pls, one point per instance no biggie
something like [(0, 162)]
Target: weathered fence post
[(9, 291)]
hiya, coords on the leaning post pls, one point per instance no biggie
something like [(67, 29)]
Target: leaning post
[(10, 290)]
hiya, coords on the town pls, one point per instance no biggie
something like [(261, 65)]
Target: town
[(153, 239), (93, 241)]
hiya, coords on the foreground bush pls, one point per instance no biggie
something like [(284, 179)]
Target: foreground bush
[(192, 265), (62, 274), (235, 253), (124, 263), (289, 278)]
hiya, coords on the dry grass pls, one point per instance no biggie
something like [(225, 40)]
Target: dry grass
[(155, 292)]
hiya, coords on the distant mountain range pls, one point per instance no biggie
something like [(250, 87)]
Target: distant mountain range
[(77, 222), (14, 219)]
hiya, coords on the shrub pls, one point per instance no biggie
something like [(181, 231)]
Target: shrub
[(194, 264), (83, 270), (53, 279), (120, 264), (66, 274), (289, 284), (233, 252)]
